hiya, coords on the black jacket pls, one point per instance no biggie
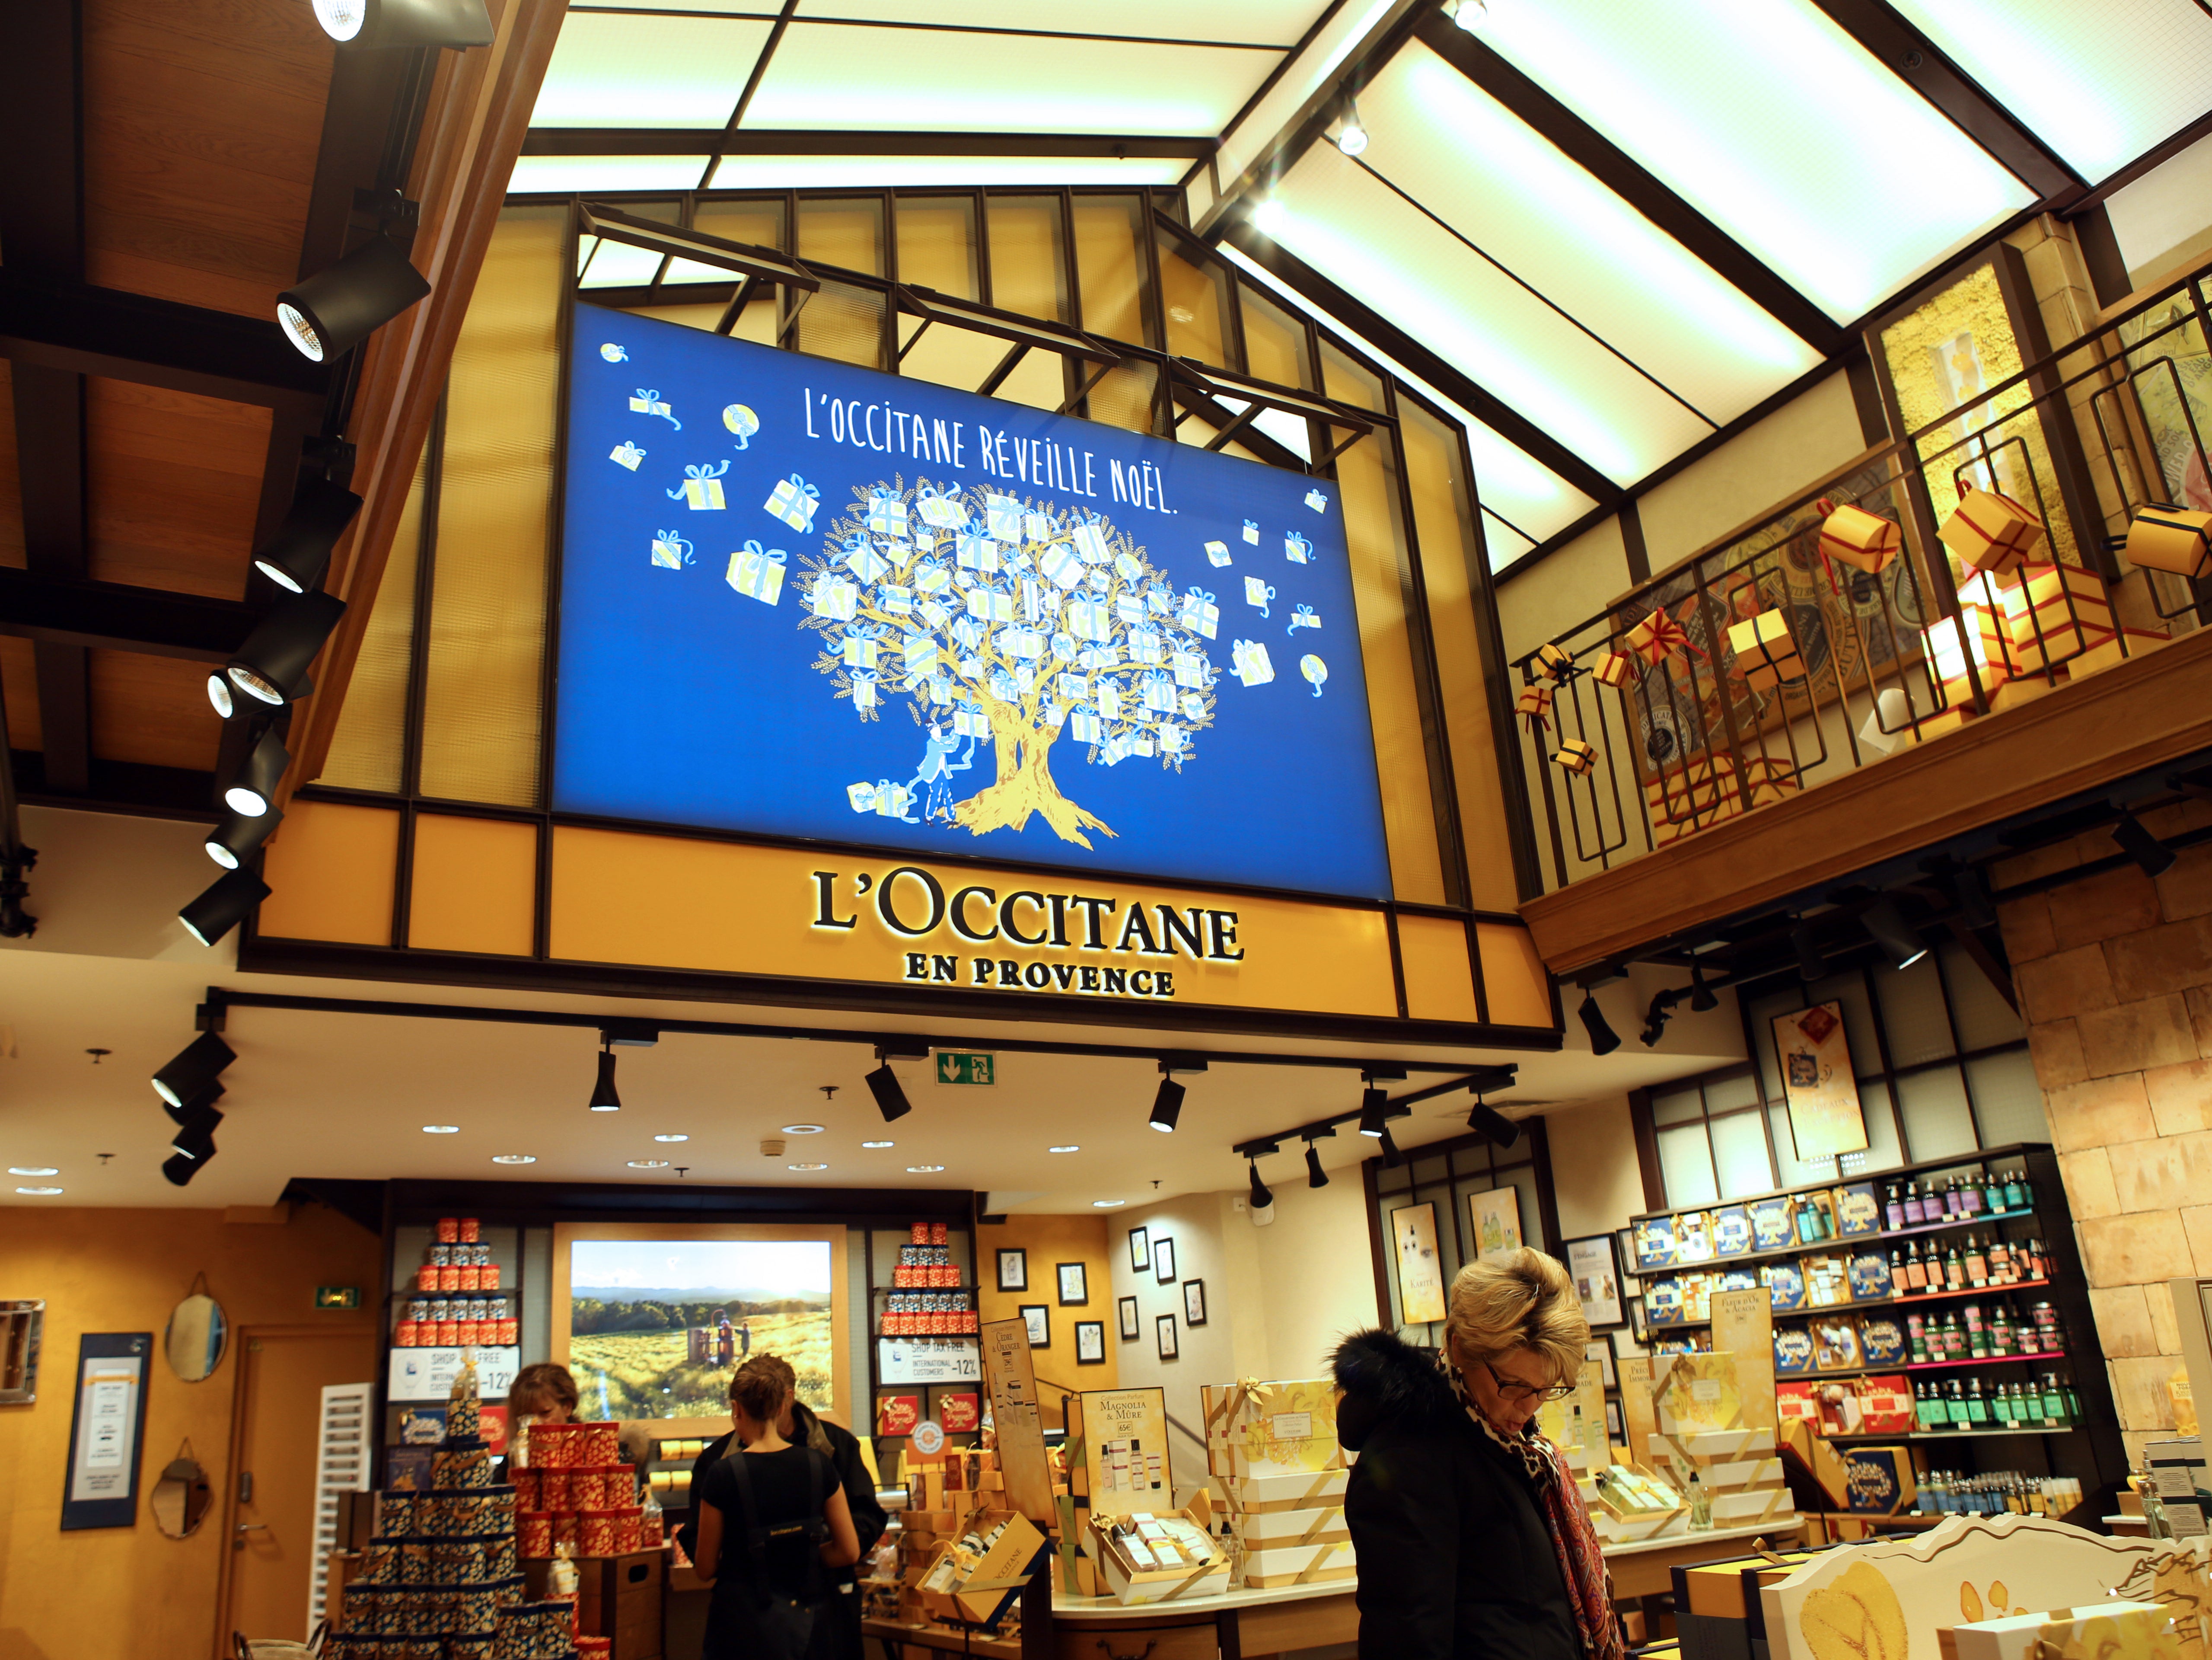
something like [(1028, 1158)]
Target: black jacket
[(869, 1520), (1454, 1560)]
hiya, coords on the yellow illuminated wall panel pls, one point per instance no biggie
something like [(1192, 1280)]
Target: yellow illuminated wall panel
[(1439, 979), (332, 868), (474, 885)]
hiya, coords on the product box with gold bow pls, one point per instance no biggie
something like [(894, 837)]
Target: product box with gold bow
[(1262, 1495), (1322, 1525), (1990, 532), (2100, 1631), (1299, 1564), (1159, 1557), (1859, 539), (2057, 613), (1279, 1428), (2164, 537), (1766, 654)]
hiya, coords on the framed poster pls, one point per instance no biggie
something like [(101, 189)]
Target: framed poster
[(1074, 1284), (1163, 1268), (107, 1427), (1141, 1257), (1613, 1430), (1193, 1302), (1814, 1057), (1013, 1269), (1128, 1307), (1091, 1342), (1165, 1328), (1124, 1449), (1600, 1349), (1421, 1272), (1497, 1217), (1038, 1318), (1596, 1274)]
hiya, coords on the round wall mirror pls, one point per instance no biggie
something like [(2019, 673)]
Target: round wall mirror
[(182, 1496), (195, 1340)]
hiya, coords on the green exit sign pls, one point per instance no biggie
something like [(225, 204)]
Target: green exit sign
[(953, 1067), (337, 1297)]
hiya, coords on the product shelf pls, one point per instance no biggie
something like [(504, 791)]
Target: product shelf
[(1911, 1301), (1841, 1241)]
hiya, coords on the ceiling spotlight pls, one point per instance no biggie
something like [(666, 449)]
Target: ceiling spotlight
[(604, 1099), (272, 664), (806, 1167), (1261, 1196), (296, 557), (34, 1170), (1316, 1175), (1701, 996), (1066, 1147), (182, 1113), (864, 1144), (2152, 855), (364, 24), (1488, 1121), (1896, 936), (441, 1129), (891, 1100), (196, 1140), (1167, 1105), (514, 1159), (1657, 1017), (1350, 134), (335, 310), (923, 1170), (219, 695), (253, 791), (197, 1064), (1107, 1204), (1604, 1040), (1469, 14), (802, 1130), (1269, 216), (686, 1138), (223, 906), (235, 835), (1374, 1109), (649, 1164), (176, 1167), (1811, 962)]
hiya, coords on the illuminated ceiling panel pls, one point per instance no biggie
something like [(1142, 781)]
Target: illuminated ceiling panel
[(1356, 232), (1474, 164), (583, 175), (1247, 23), (620, 70), (2100, 84), (1335, 42), (898, 171), (829, 77), (1775, 125)]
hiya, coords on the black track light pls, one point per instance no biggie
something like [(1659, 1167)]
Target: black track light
[(364, 24), (2151, 856), (235, 835), (1486, 1120), (1701, 996), (604, 1099), (224, 905), (219, 695), (1898, 938), (300, 552), (1391, 1156), (1374, 1110), (271, 666), (1812, 964), (196, 1138), (1604, 1040), (195, 1066), (1167, 1105), (181, 1114), (330, 312), (891, 1100), (1655, 1018), (1316, 1175), (1262, 1197), (252, 792), (179, 1170)]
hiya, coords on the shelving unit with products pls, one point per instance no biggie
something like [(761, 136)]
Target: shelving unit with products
[(1952, 1285), (925, 1358), (455, 1294)]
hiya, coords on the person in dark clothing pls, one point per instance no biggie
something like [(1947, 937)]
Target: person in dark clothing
[(838, 1633), (1472, 1538), (773, 1522)]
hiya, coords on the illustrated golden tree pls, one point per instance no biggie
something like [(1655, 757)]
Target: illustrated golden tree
[(1008, 622)]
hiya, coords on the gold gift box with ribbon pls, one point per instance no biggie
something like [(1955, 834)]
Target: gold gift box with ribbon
[(1534, 704), (1865, 540), (2164, 537), (1616, 670), (1765, 653), (2058, 612), (1990, 532), (1657, 637), (1554, 662), (1576, 756), (1691, 797)]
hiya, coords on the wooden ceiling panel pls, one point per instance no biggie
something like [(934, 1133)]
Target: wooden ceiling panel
[(175, 484), (202, 124), (11, 484), (152, 711), (19, 685)]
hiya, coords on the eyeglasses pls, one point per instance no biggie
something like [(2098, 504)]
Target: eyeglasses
[(1513, 1390)]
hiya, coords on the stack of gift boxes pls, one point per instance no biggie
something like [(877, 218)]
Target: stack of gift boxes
[(1272, 1448), (456, 1301), (441, 1579), (955, 1532), (576, 1497)]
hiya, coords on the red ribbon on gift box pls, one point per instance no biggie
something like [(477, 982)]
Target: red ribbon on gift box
[(1662, 637)]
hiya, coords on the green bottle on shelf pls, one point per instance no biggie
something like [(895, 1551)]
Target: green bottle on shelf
[(1978, 1408), (2018, 1194), (1928, 1404), (2053, 1403), (1994, 1195)]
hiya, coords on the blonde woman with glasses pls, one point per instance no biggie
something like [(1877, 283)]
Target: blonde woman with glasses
[(1472, 1538)]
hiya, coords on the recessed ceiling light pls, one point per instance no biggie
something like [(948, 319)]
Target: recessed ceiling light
[(1107, 1204), (671, 1138), (441, 1129), (806, 1167), (514, 1159), (1068, 1147), (649, 1164), (802, 1130), (880, 1144), (34, 1170), (923, 1170), (40, 1193)]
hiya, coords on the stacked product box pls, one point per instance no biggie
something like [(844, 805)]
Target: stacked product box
[(1700, 1404), (576, 1497), (1272, 1448), (946, 1492)]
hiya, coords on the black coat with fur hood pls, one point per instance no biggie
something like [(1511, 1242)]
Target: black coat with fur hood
[(1454, 1560)]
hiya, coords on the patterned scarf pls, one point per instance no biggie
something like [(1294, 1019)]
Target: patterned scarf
[(1574, 1540)]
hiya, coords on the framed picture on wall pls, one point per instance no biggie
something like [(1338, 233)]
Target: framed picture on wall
[(1038, 1318), (1420, 1271), (1595, 1271), (1613, 1431), (1193, 1302), (1638, 1328), (1816, 1059), (1091, 1342), (1163, 1262), (1074, 1284), (1165, 1327), (1128, 1307), (1013, 1269), (1496, 1219), (1600, 1349), (1140, 1250)]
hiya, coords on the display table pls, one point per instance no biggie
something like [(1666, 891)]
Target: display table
[(1646, 1567)]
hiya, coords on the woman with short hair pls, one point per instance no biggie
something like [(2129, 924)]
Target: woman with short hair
[(1472, 1540)]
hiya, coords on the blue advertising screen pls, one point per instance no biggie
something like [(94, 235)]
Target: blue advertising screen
[(803, 600)]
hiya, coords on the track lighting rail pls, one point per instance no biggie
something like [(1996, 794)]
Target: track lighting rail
[(1480, 1079)]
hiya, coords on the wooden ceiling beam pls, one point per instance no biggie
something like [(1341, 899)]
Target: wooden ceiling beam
[(122, 616)]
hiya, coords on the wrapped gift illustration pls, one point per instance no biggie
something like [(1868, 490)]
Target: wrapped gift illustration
[(757, 572), (1083, 725), (1131, 567), (1130, 608), (862, 795), (670, 551), (1115, 750), (1198, 613), (1037, 527), (1060, 564), (701, 488), (1001, 686), (1104, 656), (1252, 532), (1297, 548), (1258, 593), (1144, 646), (1091, 543), (1054, 714), (930, 577), (1303, 617), (968, 633), (1140, 744), (932, 613), (1109, 700), (990, 605), (1189, 669), (977, 552), (923, 538), (1193, 707), (1090, 618), (1075, 688), (1002, 518), (626, 454), (918, 654), (793, 501), (1172, 739), (1316, 501), (862, 643), (1216, 553), (887, 514), (615, 354), (1315, 671), (1025, 643), (941, 690), (1025, 677), (1250, 659), (835, 597), (864, 562), (969, 719), (893, 800), (1097, 579), (897, 550), (648, 403), (1159, 599), (938, 510), (1159, 693), (895, 599), (864, 689)]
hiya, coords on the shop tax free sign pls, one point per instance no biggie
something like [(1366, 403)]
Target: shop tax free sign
[(1056, 938)]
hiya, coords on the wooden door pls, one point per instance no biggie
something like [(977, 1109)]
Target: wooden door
[(271, 1510)]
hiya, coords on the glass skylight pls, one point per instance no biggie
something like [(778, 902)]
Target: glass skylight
[(1279, 23), (585, 174), (619, 70), (882, 172)]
